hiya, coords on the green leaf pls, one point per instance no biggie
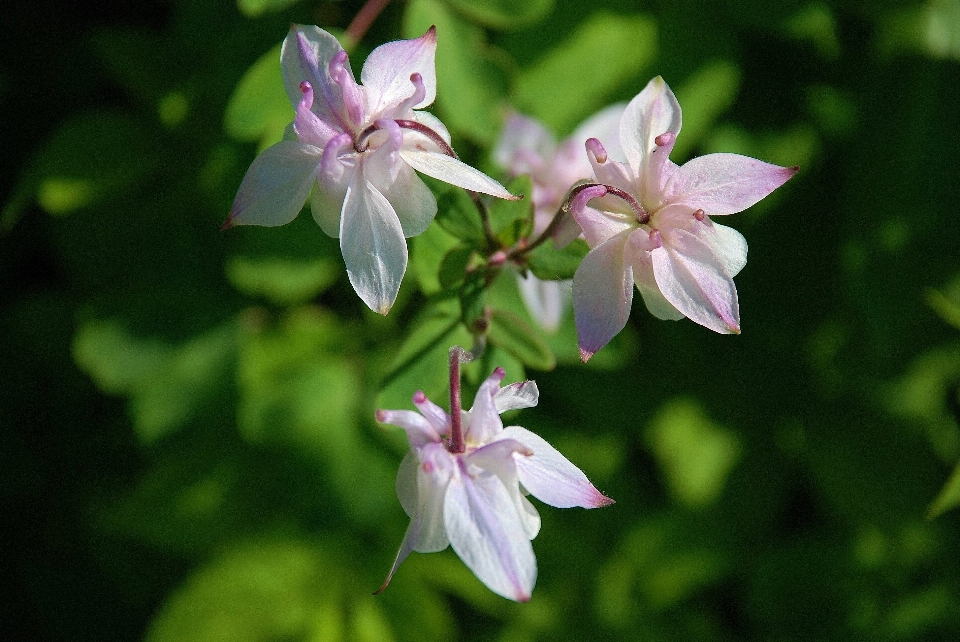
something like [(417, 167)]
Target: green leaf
[(514, 335), (259, 109), (427, 251), (473, 85), (166, 384), (473, 299), (503, 14), (511, 220), (283, 281), (90, 158), (457, 215), (705, 95), (254, 8), (550, 264), (572, 80), (453, 267), (949, 496)]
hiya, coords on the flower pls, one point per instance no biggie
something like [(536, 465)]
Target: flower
[(356, 146), (469, 492), (527, 147), (648, 223)]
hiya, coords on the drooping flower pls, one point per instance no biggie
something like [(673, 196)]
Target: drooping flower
[(527, 147), (464, 483), (356, 146), (648, 223)]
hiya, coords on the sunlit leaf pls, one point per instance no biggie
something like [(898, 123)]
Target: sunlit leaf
[(549, 263), (511, 220), (259, 109), (503, 14), (282, 281), (514, 335), (458, 216), (949, 496), (704, 96), (571, 81), (254, 8)]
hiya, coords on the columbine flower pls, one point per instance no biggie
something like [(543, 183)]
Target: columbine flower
[(527, 147), (357, 147), (649, 224), (465, 479)]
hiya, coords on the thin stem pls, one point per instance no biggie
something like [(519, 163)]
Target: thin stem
[(457, 356), (362, 21)]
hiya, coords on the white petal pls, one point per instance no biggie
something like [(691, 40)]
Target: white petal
[(546, 301), (305, 55), (638, 253), (524, 145), (434, 472), (485, 421), (549, 476), (605, 127), (419, 430), (693, 279), (372, 243), (406, 484), (602, 293), (411, 199), (523, 394), (497, 457), (652, 112), (486, 532), (450, 170), (276, 186), (727, 244), (724, 183), (387, 70)]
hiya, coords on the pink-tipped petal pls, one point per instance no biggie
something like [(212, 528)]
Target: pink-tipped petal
[(485, 421), (549, 476), (639, 248), (450, 170), (308, 127), (412, 200), (305, 56), (276, 185), (487, 533), (433, 413), (605, 127), (372, 244), (387, 70), (653, 111), (693, 279), (602, 292), (354, 103), (523, 145), (724, 183), (523, 394), (419, 430)]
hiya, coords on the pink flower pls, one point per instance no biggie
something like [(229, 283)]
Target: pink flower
[(648, 224), (471, 492), (527, 147), (356, 146)]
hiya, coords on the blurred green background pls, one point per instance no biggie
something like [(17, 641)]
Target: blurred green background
[(188, 445)]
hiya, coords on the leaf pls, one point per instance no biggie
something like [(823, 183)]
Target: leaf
[(259, 109), (514, 335), (166, 384), (453, 267), (511, 220), (457, 215), (572, 80), (705, 95), (427, 252), (473, 85), (254, 8), (282, 281), (503, 14), (89, 159), (551, 264), (949, 496)]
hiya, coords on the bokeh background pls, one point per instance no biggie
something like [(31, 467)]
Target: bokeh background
[(188, 446)]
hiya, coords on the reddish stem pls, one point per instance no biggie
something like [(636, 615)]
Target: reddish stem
[(361, 22), (457, 356)]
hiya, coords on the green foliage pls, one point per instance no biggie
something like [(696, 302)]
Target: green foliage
[(503, 14), (259, 109)]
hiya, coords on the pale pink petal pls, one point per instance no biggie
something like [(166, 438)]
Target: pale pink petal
[(372, 244), (548, 475), (497, 457), (524, 145), (546, 301), (427, 119), (419, 431), (412, 200), (652, 112), (406, 484), (305, 55), (487, 533), (693, 279), (601, 225), (485, 421), (724, 183), (433, 413), (434, 471), (326, 203), (607, 170), (728, 244), (523, 394), (638, 251), (602, 292), (387, 70), (307, 126), (605, 127), (276, 185), (450, 170)]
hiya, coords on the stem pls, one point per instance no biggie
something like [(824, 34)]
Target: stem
[(362, 21), (457, 356)]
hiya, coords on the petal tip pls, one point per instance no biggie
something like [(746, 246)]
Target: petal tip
[(227, 224), (586, 354), (600, 500)]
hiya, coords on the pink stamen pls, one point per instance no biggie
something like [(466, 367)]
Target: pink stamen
[(595, 147), (428, 467), (699, 215), (665, 139), (419, 397), (656, 239)]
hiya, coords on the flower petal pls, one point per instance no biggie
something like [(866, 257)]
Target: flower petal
[(600, 226), (523, 394), (419, 430), (602, 292), (305, 55), (546, 301), (549, 476), (524, 145), (387, 70), (485, 421), (411, 199), (693, 279), (497, 458), (724, 183), (638, 253), (450, 170), (276, 185), (727, 244), (486, 532), (372, 244), (652, 112), (605, 127)]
